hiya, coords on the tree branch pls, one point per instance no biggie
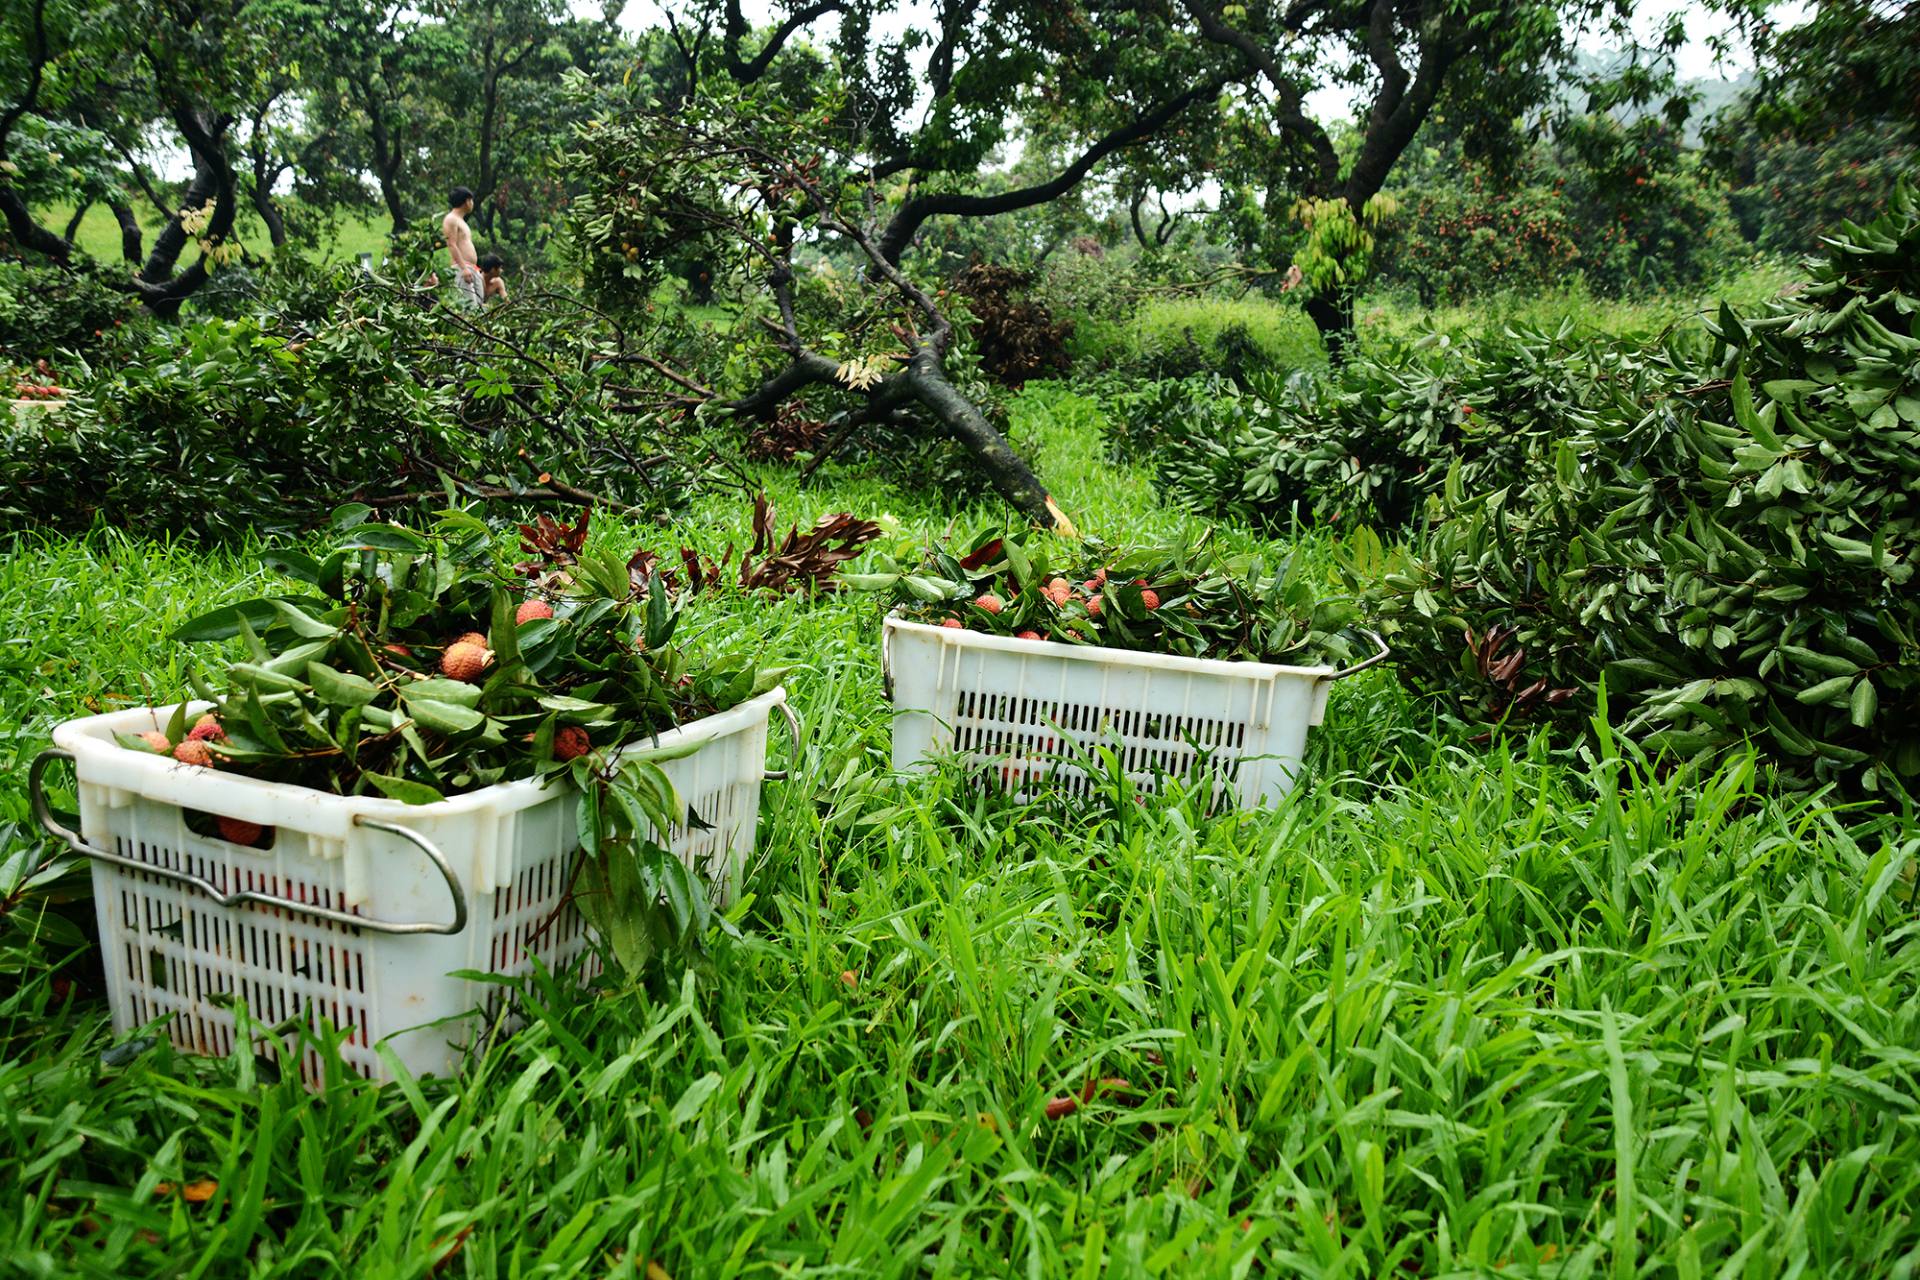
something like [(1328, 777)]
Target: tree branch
[(746, 72), (911, 215), (1289, 105)]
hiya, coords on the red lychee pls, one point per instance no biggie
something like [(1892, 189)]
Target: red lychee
[(955, 623), (470, 637), (207, 729), (1149, 597), (990, 602), (1094, 606), (464, 660), (158, 741), (570, 741), (532, 610), (239, 830), (194, 751), (1027, 635)]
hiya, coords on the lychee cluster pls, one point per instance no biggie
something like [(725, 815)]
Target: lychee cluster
[(1060, 592)]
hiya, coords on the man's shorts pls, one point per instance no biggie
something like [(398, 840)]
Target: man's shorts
[(469, 289)]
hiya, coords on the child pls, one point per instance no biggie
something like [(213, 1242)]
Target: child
[(490, 268)]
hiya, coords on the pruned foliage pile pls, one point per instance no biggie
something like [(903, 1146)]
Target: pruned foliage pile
[(1724, 530), (1720, 523), (1017, 337), (355, 388)]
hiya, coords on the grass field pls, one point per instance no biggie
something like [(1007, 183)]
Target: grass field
[(99, 235), (1450, 1011)]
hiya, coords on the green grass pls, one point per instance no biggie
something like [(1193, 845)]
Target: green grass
[(99, 235), (1450, 1011), (1383, 316), (1160, 330)]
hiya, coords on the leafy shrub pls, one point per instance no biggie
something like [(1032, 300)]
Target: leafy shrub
[(45, 309), (1800, 190), (1454, 242), (269, 422), (1236, 338), (1373, 442), (1625, 208), (1722, 527)]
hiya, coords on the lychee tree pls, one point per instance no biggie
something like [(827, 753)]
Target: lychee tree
[(754, 164)]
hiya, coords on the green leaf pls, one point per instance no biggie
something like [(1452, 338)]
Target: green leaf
[(444, 717), (224, 623), (295, 564), (303, 623), (405, 790), (341, 688), (384, 537), (442, 689), (1825, 692), (1864, 703), (258, 677), (350, 514)]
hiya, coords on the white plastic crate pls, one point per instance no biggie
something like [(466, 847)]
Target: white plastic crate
[(361, 909), (1017, 712)]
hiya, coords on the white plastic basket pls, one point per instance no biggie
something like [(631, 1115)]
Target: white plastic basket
[(361, 909), (1017, 712)]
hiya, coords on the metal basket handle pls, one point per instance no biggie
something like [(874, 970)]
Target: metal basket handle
[(1375, 660), (44, 815), (793, 727)]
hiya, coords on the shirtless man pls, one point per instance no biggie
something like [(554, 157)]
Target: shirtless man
[(468, 285)]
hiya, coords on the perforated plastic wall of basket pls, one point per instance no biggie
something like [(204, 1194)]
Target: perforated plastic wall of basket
[(1022, 714), (172, 952)]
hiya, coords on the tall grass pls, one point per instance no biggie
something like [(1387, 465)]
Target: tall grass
[(1449, 1011)]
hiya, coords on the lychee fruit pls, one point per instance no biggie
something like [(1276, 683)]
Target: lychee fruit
[(531, 611), (400, 651), (954, 623), (158, 741), (1027, 635), (990, 602), (194, 751), (1092, 586), (1094, 606), (1149, 597), (470, 637), (464, 660), (207, 729), (239, 830), (570, 741), (1058, 590)]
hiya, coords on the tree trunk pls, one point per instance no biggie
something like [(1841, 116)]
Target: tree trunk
[(388, 160), (173, 237), (988, 447), (1333, 317), (214, 179), (264, 176), (130, 233), (79, 212)]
